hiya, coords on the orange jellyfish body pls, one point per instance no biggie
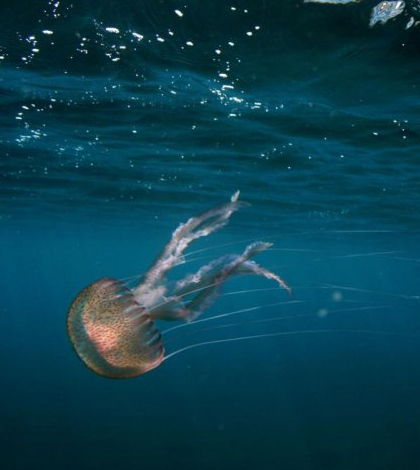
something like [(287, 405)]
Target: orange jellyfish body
[(112, 326), (111, 333)]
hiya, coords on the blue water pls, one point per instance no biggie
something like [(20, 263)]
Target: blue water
[(120, 120)]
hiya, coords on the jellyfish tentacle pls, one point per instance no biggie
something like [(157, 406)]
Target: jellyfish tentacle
[(194, 228), (206, 283)]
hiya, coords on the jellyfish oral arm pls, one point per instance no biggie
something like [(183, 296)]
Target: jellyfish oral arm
[(250, 267), (153, 293), (205, 284), (194, 228)]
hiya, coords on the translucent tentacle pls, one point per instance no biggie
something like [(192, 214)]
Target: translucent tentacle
[(251, 267), (206, 282), (194, 228)]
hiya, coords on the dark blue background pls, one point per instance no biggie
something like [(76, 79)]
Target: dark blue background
[(105, 152)]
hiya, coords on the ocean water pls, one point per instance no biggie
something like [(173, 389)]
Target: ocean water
[(119, 121)]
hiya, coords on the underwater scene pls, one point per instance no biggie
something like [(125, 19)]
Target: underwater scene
[(210, 235)]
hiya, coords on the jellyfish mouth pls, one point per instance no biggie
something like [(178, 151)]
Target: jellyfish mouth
[(111, 333)]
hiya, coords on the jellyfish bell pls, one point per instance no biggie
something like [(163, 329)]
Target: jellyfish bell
[(112, 334), (112, 327)]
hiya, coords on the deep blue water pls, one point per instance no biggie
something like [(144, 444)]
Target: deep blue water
[(120, 120)]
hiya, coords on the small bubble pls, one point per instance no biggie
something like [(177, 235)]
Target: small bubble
[(322, 313), (137, 36)]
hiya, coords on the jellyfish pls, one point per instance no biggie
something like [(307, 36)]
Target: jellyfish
[(113, 327)]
